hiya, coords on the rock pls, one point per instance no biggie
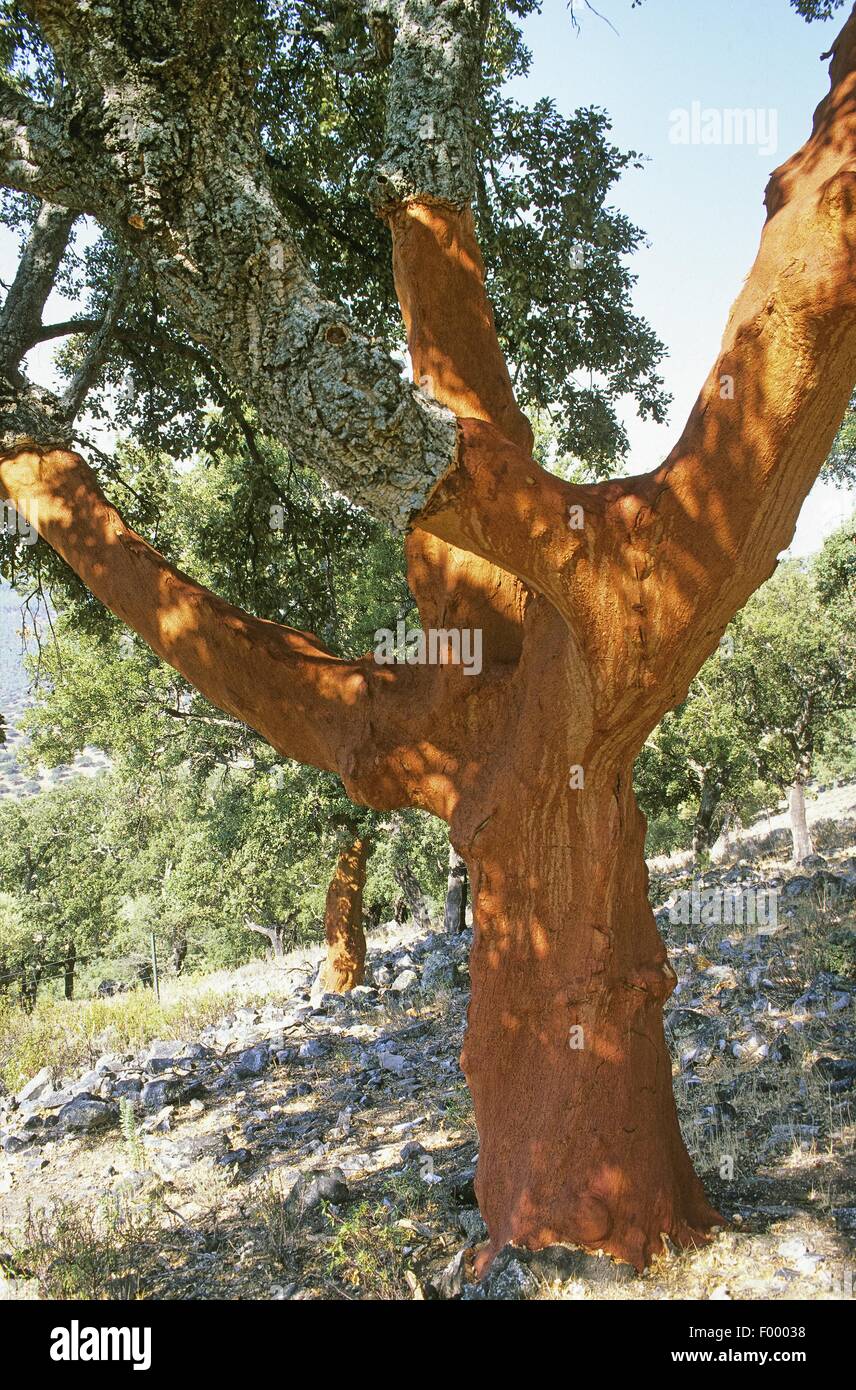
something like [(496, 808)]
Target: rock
[(840, 1070), (85, 1114), (253, 1061), (509, 1280), (160, 1123), (311, 1050), (164, 1056), (795, 887), (127, 1088), (786, 1136), (16, 1143), (55, 1100), (108, 1062), (453, 1279), (518, 1273), (166, 1090), (403, 982), (412, 1149), (391, 1061), (438, 972), (311, 1189), (89, 1082), (40, 1085), (171, 1156), (235, 1158)]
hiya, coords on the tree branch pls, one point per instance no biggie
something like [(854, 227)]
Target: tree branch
[(686, 545), (94, 357), (21, 316), (41, 154), (179, 173), (374, 725)]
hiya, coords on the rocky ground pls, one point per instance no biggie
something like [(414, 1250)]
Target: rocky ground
[(323, 1147)]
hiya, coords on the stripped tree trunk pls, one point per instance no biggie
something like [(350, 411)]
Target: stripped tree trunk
[(344, 965), (591, 633)]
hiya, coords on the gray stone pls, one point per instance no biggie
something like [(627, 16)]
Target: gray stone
[(164, 1056), (253, 1061), (16, 1143), (85, 1113), (406, 980), (167, 1090), (311, 1189), (38, 1086), (127, 1088), (390, 1061), (438, 972)]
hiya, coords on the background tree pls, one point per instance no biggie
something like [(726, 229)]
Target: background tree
[(791, 682), (778, 696), (59, 886)]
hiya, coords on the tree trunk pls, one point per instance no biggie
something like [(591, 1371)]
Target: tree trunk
[(29, 988), (565, 1053), (720, 847), (179, 953), (70, 963), (409, 885), (455, 913), (344, 966), (708, 805), (591, 632), (802, 846)]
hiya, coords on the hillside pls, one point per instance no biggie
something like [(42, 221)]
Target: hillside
[(251, 1140)]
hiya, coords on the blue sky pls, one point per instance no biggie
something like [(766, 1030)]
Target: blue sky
[(701, 205)]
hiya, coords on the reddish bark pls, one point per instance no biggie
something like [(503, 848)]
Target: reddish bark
[(590, 635), (344, 966)]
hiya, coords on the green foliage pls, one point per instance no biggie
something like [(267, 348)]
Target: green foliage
[(59, 877), (550, 238), (77, 1254), (775, 700), (840, 467)]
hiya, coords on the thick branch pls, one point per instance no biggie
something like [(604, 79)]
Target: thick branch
[(433, 103), (685, 546), (21, 316), (96, 352), (364, 721), (178, 171), (41, 152)]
